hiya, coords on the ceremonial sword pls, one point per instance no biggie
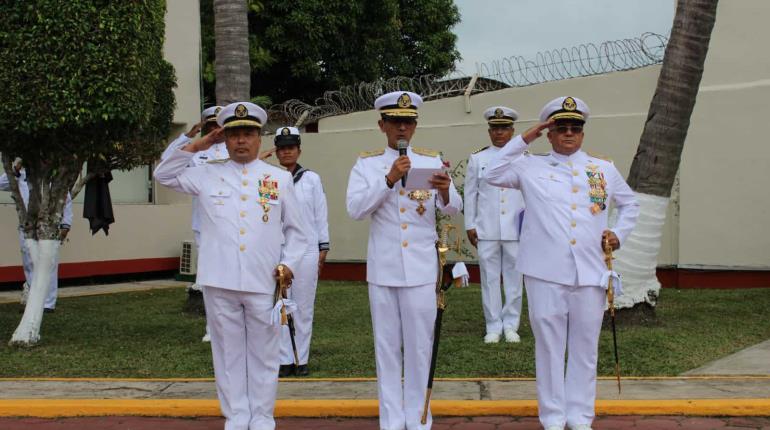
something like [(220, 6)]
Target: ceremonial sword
[(611, 305), (286, 318)]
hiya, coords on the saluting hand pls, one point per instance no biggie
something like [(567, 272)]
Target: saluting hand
[(608, 236), (535, 131), (399, 168), (205, 142), (194, 130), (267, 154)]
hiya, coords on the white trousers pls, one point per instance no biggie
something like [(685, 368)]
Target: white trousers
[(498, 257), (244, 346), (402, 316), (53, 287), (302, 291), (567, 318)]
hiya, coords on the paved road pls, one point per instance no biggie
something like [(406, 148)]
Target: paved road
[(477, 423)]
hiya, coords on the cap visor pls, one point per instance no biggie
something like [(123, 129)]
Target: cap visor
[(568, 115), (242, 123), (400, 113)]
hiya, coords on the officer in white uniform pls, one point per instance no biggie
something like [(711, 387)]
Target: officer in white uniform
[(216, 153), (401, 266), (567, 193), (26, 258), (492, 221), (248, 209), (310, 193)]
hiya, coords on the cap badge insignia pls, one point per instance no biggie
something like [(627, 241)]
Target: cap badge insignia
[(498, 113), (569, 104), (404, 100), (285, 131), (217, 110), (241, 111)]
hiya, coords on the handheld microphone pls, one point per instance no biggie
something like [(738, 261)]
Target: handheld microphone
[(402, 145)]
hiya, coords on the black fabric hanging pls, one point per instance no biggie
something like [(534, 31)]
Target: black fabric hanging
[(97, 204)]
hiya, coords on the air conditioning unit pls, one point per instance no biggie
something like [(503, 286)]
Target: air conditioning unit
[(188, 263)]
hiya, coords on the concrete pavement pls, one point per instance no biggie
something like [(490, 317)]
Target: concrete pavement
[(463, 423), (693, 396), (754, 360)]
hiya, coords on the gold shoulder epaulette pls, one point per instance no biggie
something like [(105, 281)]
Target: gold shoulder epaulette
[(220, 161), (425, 151), (479, 150), (599, 156), (367, 154)]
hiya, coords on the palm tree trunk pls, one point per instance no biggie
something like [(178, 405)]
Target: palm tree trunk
[(231, 31), (656, 163)]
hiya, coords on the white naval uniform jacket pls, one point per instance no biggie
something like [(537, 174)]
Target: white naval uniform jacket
[(311, 196), (561, 238), (217, 151), (238, 250), (494, 212), (402, 243)]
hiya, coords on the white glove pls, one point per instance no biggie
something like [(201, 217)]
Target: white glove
[(275, 314), (459, 271), (617, 284)]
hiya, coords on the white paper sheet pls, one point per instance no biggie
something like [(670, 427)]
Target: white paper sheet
[(417, 178)]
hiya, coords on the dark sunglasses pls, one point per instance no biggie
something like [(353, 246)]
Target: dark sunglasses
[(561, 129), (401, 120)]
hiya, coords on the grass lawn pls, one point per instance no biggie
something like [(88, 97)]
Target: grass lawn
[(146, 334)]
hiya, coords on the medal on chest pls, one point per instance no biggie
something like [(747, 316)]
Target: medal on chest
[(597, 188), (268, 190), (420, 196)]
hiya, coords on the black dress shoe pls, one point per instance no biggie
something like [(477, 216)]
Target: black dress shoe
[(49, 310), (302, 370), (286, 370)]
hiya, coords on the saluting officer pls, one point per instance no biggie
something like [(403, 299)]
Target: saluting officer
[(310, 193), (401, 266), (217, 152), (568, 193), (492, 220), (248, 209)]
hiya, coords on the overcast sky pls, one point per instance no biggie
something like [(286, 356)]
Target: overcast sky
[(494, 29)]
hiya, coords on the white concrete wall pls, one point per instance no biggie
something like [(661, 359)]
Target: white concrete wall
[(723, 199)]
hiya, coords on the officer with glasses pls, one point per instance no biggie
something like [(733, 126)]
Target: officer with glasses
[(567, 193)]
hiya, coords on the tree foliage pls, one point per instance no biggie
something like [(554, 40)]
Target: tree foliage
[(301, 48), (83, 80)]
